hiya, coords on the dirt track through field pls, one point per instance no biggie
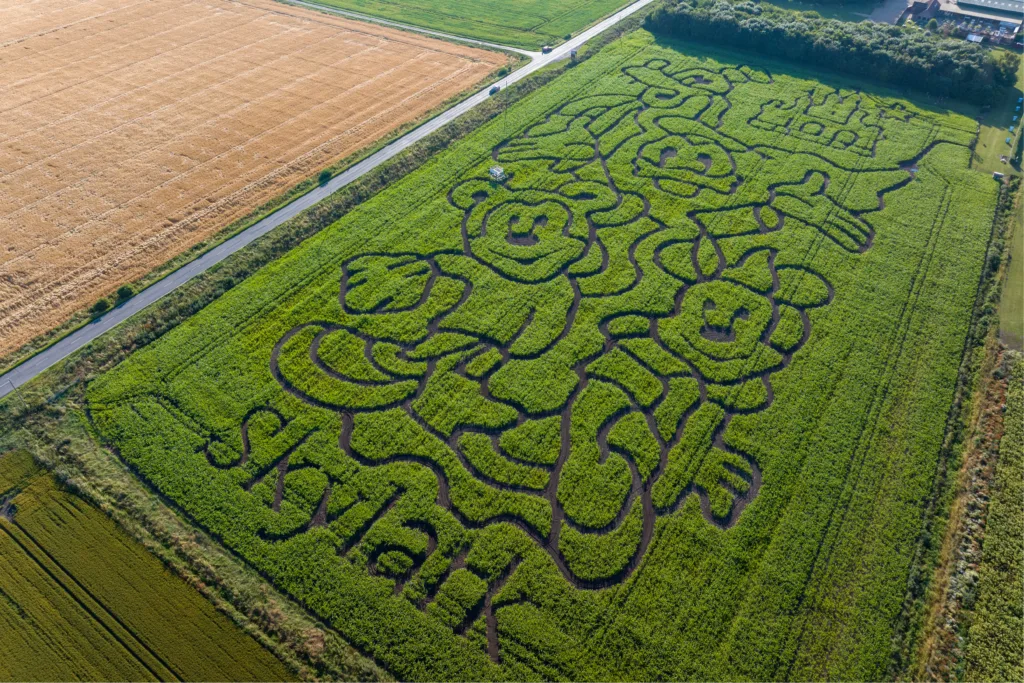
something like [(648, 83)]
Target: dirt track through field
[(133, 130)]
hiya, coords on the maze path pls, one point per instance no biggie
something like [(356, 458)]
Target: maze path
[(536, 394), (569, 221)]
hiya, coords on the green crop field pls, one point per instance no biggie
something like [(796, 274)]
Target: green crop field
[(81, 601), (663, 402), (527, 24)]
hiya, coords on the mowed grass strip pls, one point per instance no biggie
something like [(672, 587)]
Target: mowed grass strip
[(527, 24), (1011, 304), (84, 601), (996, 636)]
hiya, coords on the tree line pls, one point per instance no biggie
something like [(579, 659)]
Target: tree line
[(900, 56)]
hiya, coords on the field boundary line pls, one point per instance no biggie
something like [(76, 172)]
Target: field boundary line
[(412, 28), (82, 596)]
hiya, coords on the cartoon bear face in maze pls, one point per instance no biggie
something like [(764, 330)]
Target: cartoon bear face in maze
[(528, 236)]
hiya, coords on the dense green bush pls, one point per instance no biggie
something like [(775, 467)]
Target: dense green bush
[(100, 307), (947, 67)]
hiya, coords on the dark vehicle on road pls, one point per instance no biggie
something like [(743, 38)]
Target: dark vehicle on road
[(546, 49), (495, 89)]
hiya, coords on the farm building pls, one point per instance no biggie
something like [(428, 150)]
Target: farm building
[(1012, 8), (994, 21)]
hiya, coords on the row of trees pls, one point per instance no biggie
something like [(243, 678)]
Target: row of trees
[(906, 57)]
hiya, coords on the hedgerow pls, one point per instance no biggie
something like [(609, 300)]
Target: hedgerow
[(697, 344), (891, 54)]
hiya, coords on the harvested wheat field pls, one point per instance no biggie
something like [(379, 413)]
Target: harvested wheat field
[(131, 130)]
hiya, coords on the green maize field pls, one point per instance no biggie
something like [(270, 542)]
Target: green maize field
[(79, 600), (663, 399), (528, 24)]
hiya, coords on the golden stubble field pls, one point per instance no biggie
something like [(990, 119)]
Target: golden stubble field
[(130, 130)]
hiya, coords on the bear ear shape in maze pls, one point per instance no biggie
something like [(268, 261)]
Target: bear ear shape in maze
[(470, 193), (221, 455), (393, 564), (802, 288)]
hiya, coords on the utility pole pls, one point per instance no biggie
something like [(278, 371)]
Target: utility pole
[(18, 392)]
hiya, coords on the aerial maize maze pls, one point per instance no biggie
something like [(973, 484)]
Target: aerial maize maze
[(662, 398)]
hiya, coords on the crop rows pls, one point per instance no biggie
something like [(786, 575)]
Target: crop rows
[(479, 425), (80, 599)]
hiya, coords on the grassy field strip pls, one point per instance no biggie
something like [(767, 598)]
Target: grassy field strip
[(853, 480), (83, 601), (407, 27), (996, 636), (526, 23), (864, 487)]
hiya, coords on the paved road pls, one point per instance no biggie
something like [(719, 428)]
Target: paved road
[(407, 27), (76, 340)]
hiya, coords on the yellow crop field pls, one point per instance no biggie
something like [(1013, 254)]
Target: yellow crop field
[(133, 131)]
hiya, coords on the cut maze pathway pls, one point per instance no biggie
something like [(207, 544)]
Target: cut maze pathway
[(506, 409), (39, 363), (482, 220)]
